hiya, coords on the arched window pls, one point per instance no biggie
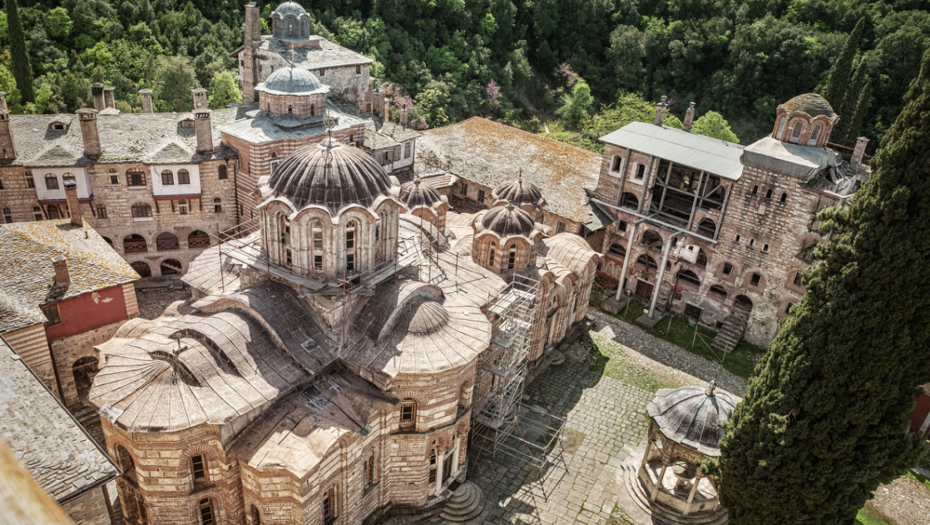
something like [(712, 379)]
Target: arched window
[(290, 109), (652, 240), (134, 243), (629, 201), (768, 193), (222, 172), (781, 128), (814, 136), (167, 178), (329, 506), (491, 255), (53, 212), (796, 133), (166, 242), (206, 512), (648, 263), (512, 257), (217, 205), (689, 278), (37, 213), (126, 464), (371, 470), (67, 177), (316, 230), (7, 215), (141, 268), (51, 181), (198, 239), (784, 197), (312, 110), (199, 468), (256, 516), (408, 415), (184, 177), (182, 207), (716, 291), (617, 249), (140, 209), (707, 228), (755, 190), (432, 465), (351, 228)]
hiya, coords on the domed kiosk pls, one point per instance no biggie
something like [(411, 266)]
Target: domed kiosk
[(522, 194), (505, 240), (806, 120), (422, 200), (292, 91), (684, 429)]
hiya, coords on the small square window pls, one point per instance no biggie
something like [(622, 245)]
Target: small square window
[(114, 179), (640, 172), (615, 164), (788, 307), (727, 269), (52, 314), (755, 280), (765, 247), (737, 239), (797, 279)]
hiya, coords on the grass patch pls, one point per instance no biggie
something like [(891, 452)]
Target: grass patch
[(741, 362), (919, 478), (866, 517), (608, 358), (618, 517)]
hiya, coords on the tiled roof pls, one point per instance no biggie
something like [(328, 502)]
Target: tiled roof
[(375, 141), (326, 55), (44, 436), (259, 127), (27, 273), (397, 132), (490, 153), (126, 137)]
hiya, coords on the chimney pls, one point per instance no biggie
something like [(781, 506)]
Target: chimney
[(62, 277), (859, 151), (200, 98), (3, 101), (74, 206), (146, 95), (689, 119), (660, 112), (96, 89), (204, 130), (89, 131), (7, 148), (253, 23), (108, 98)]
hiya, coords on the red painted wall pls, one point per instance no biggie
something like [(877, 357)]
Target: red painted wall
[(88, 311), (919, 414)]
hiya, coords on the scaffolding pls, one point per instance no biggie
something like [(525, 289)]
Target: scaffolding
[(501, 424)]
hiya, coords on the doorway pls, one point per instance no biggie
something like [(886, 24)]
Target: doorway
[(644, 289)]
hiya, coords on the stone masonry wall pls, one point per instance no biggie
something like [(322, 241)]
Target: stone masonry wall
[(68, 350), (89, 508)]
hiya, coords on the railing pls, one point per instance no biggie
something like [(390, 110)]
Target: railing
[(166, 245), (134, 246), (198, 242)]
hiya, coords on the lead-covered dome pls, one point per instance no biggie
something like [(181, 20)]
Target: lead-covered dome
[(334, 176), (508, 220), (692, 415), (420, 194), (519, 193), (811, 104), (290, 8), (293, 81)]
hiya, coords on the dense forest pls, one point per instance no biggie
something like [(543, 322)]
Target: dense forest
[(521, 61)]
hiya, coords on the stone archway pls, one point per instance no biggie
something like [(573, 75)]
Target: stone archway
[(743, 304), (84, 371)]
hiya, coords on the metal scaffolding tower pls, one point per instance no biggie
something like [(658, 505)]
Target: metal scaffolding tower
[(501, 425)]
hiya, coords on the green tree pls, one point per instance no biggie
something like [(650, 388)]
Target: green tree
[(174, 80), (853, 127), (59, 23), (712, 124), (835, 89), (846, 107), (224, 89), (19, 58), (823, 422), (8, 85), (576, 107)]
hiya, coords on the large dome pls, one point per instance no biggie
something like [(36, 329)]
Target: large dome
[(692, 415), (292, 80), (290, 8), (419, 193), (332, 177), (508, 220), (810, 103), (519, 193)]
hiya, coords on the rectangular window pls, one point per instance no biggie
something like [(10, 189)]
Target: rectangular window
[(135, 178), (396, 153), (615, 164), (407, 148), (197, 467), (559, 226), (480, 195), (765, 247), (329, 507), (1, 184), (52, 314), (350, 262), (406, 412), (30, 182), (322, 72), (621, 226), (797, 279), (114, 179), (640, 172), (737, 239), (755, 280), (788, 307), (101, 211), (727, 268), (358, 70), (206, 515), (184, 177), (318, 263)]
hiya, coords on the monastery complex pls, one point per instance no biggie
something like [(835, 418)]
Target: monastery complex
[(368, 298)]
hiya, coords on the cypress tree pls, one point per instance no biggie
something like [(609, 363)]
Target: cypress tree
[(22, 70), (854, 126), (838, 83), (846, 108), (823, 420)]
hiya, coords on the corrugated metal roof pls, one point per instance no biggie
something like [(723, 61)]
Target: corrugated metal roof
[(695, 151)]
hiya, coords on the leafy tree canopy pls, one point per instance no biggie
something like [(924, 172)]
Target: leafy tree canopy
[(224, 89), (712, 124)]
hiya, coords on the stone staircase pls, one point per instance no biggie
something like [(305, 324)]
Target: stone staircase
[(662, 515), (734, 326), (466, 504)]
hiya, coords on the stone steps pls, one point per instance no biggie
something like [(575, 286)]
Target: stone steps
[(734, 326), (465, 504), (87, 416), (661, 514)]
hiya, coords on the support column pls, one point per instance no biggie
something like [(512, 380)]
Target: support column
[(626, 261), (455, 454), (655, 293), (440, 459), (655, 489), (697, 479)]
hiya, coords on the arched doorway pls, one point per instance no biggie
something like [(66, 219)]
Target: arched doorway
[(171, 267), (142, 268), (742, 305), (166, 241), (84, 370), (134, 243), (198, 239)]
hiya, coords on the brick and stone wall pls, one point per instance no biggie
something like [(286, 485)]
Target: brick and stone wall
[(68, 351), (89, 508)]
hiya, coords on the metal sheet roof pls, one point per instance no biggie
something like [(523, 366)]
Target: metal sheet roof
[(695, 151)]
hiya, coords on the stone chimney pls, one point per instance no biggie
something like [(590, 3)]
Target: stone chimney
[(74, 206), (204, 130), (859, 151), (253, 23), (689, 119), (96, 89), (200, 98), (109, 99), (62, 277), (3, 101), (146, 95), (89, 132), (7, 147), (660, 112)]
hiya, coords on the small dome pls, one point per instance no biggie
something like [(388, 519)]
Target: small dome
[(332, 177), (692, 415), (427, 317), (508, 220), (291, 80), (810, 103), (289, 8), (419, 193), (519, 193)]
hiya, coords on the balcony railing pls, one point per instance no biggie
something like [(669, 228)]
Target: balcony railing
[(134, 246), (167, 245), (198, 242)]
